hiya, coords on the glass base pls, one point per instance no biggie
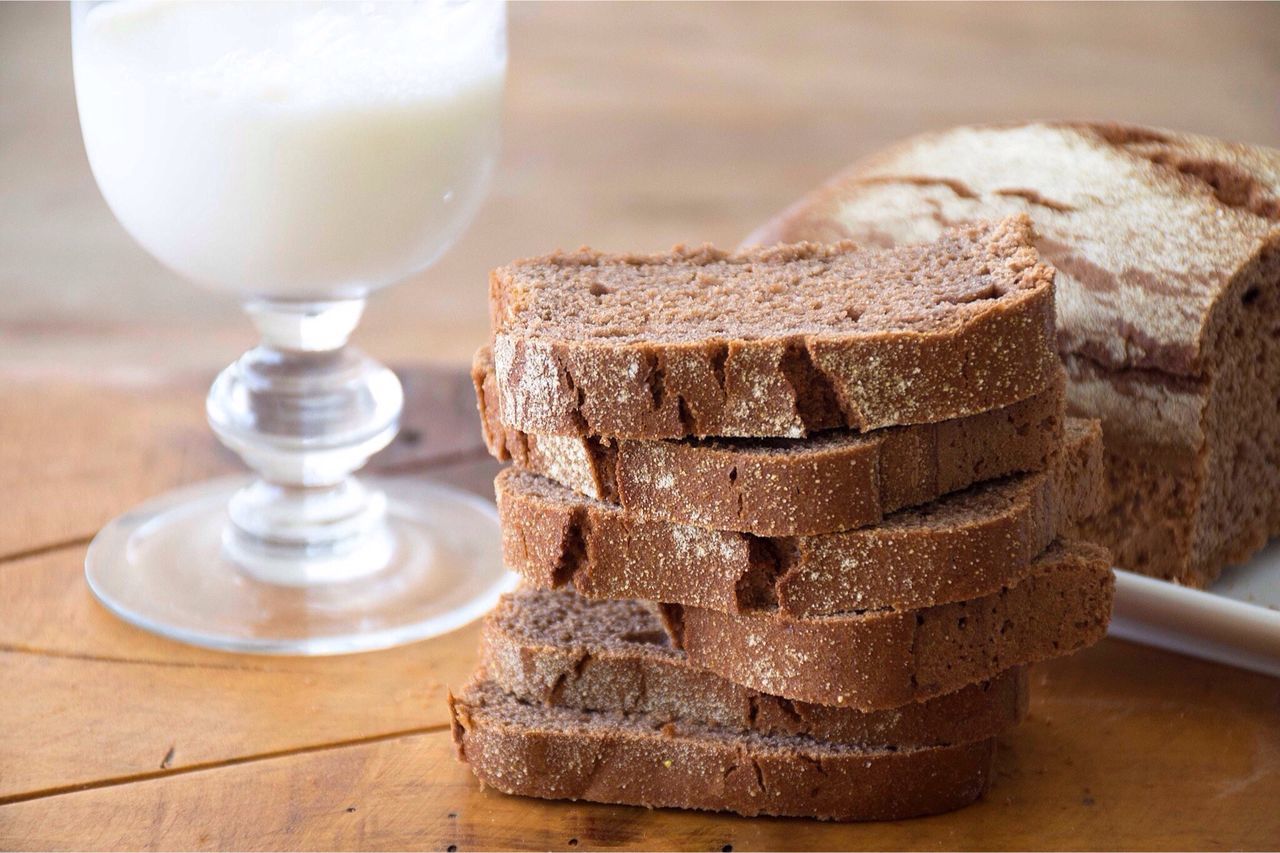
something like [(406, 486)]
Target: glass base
[(163, 568)]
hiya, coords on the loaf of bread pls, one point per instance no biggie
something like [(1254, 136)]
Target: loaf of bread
[(833, 480), (647, 760), (879, 659), (558, 648), (777, 342), (1167, 247), (964, 545)]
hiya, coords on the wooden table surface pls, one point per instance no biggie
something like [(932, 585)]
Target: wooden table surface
[(117, 739), (629, 126)]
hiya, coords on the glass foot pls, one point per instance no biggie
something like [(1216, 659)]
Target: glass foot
[(163, 568)]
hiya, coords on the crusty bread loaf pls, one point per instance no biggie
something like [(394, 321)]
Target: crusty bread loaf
[(772, 342), (833, 480), (1061, 602), (645, 760), (558, 648), (964, 545), (1167, 247)]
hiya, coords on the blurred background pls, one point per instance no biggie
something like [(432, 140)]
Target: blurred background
[(628, 126)]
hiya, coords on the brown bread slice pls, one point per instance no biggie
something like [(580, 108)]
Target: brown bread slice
[(885, 658), (558, 648), (961, 546), (773, 342), (1167, 247), (643, 760), (834, 480)]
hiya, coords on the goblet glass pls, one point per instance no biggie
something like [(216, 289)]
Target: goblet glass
[(298, 156)]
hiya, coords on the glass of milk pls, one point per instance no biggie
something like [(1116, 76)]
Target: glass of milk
[(297, 157)]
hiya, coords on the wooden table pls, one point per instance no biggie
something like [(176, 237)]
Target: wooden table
[(114, 738), (628, 127)]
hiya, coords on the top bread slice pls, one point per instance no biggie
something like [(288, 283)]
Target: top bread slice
[(834, 480), (773, 342)]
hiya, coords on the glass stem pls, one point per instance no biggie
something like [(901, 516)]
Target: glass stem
[(305, 411)]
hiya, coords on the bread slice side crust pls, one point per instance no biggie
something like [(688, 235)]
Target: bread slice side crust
[(883, 659), (556, 753), (557, 648), (835, 480), (965, 545)]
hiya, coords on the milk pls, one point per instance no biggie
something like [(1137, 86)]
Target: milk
[(291, 150)]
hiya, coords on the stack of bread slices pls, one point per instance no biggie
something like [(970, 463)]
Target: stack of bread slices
[(792, 524)]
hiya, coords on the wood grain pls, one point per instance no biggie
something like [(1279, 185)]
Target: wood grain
[(101, 700), (1126, 748), (90, 453)]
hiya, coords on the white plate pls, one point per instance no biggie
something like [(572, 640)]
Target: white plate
[(1236, 621)]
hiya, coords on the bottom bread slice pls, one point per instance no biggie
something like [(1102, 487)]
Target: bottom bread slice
[(878, 659), (639, 759), (560, 648)]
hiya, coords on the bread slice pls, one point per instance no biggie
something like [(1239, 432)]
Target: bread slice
[(961, 546), (1167, 247), (652, 761), (558, 648), (1059, 603), (777, 342), (834, 480)]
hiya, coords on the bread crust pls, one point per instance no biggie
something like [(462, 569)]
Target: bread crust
[(965, 545), (1167, 330), (1092, 189), (836, 480), (782, 385), (615, 656), (883, 659), (554, 753)]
